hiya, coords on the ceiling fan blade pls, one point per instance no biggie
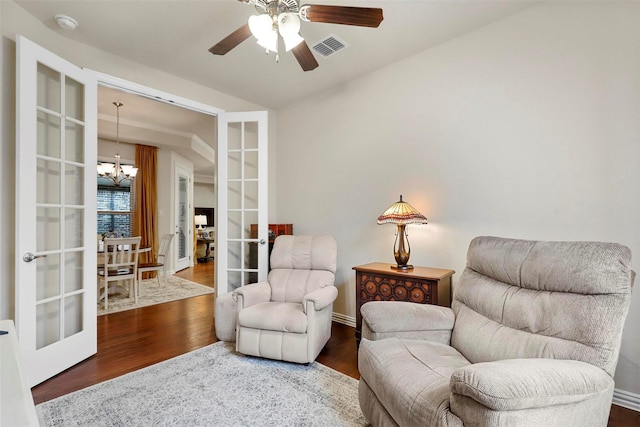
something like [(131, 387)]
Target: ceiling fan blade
[(304, 56), (231, 41), (345, 15)]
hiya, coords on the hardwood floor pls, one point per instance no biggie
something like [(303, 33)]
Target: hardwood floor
[(134, 339)]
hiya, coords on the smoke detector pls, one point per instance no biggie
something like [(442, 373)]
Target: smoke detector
[(66, 22)]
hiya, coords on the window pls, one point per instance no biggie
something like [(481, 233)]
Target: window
[(116, 205)]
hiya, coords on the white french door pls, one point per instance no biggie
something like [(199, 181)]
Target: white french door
[(183, 218), (56, 153), (55, 212), (242, 224)]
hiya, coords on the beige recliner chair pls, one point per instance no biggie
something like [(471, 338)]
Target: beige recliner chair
[(288, 317), (532, 339)]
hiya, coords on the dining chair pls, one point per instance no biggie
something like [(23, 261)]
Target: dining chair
[(120, 265), (161, 264)]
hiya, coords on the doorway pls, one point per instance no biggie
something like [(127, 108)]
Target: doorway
[(184, 136)]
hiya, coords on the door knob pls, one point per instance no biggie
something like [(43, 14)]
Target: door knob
[(28, 257)]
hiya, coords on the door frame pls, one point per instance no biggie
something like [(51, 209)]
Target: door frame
[(158, 95), (168, 98)]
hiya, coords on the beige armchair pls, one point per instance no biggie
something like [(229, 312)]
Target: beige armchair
[(288, 317), (532, 339)]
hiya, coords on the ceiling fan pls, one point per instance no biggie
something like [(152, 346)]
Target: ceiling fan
[(282, 18)]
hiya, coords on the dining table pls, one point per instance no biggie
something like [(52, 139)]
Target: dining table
[(208, 241)]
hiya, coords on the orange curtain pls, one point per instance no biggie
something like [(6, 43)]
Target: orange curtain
[(145, 218)]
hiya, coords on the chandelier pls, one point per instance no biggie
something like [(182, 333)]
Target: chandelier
[(115, 171)]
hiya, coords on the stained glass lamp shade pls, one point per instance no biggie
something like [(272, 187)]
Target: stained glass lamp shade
[(402, 213)]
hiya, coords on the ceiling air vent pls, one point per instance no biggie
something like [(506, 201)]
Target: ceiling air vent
[(329, 46)]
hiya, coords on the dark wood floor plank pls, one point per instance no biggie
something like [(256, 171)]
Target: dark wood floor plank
[(135, 339)]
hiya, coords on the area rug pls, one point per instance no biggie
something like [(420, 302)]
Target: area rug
[(213, 386), (151, 293)]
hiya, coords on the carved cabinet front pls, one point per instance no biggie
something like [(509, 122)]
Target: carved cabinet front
[(380, 282)]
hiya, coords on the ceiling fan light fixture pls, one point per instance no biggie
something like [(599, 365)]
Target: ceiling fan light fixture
[(289, 27), (263, 30), (269, 41), (260, 26)]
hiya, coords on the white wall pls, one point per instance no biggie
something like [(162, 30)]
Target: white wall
[(166, 158), (14, 20), (204, 195), (527, 128), (107, 149)]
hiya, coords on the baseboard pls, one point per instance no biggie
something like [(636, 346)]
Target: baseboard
[(626, 399), (345, 320)]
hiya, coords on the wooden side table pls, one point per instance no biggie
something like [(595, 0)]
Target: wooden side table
[(379, 282)]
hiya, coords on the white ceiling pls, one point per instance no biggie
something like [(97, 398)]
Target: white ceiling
[(175, 35), (149, 122)]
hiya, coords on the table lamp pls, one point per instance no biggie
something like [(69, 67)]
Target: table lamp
[(201, 222), (401, 213)]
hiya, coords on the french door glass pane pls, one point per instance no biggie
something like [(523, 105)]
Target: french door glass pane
[(47, 229), (250, 136), (73, 315), (183, 208), (251, 196), (73, 263), (48, 135), (234, 165), (234, 278), (47, 323), (74, 141), (74, 99), (235, 255), (74, 185), (248, 252), (234, 195), (48, 182), (48, 277), (251, 164), (49, 83), (250, 218), (73, 227), (234, 136), (234, 225)]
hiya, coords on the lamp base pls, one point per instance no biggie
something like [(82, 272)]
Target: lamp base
[(402, 267)]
